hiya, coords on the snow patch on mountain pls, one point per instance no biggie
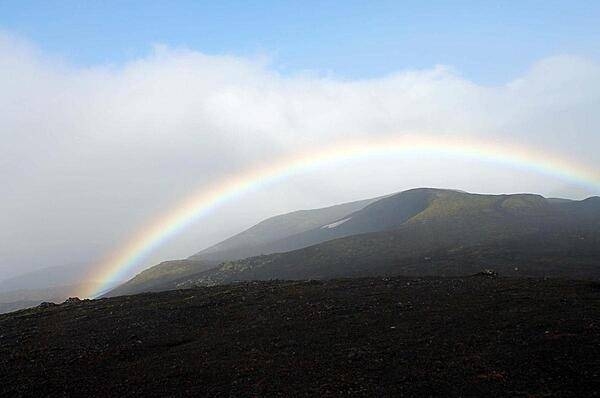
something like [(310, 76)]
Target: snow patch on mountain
[(335, 224)]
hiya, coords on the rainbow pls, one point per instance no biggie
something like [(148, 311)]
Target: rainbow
[(118, 265)]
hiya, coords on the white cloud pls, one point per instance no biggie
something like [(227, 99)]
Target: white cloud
[(90, 154)]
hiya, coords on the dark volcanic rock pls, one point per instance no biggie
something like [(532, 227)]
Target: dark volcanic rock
[(360, 337), (487, 273), (72, 300)]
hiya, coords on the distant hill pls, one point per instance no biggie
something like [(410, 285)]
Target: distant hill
[(17, 299), (53, 284), (167, 272), (17, 305), (429, 232), (62, 275), (265, 237), (378, 215)]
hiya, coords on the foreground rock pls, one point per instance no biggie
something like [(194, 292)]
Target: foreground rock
[(369, 337)]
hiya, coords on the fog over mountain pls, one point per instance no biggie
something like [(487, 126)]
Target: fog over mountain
[(91, 154)]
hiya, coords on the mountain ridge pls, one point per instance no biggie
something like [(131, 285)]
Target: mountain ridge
[(399, 228), (274, 228), (237, 246)]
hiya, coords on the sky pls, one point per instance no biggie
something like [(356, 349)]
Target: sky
[(112, 112), (489, 42)]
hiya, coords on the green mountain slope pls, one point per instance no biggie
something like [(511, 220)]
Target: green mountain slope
[(456, 234), (417, 232), (164, 273), (384, 214)]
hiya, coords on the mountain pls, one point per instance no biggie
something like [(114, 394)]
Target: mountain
[(429, 232), (455, 233), (56, 276), (378, 215), (263, 238), (53, 284), (18, 305), (17, 299), (163, 273), (476, 336)]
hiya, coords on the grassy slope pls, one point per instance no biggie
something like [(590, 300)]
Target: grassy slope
[(165, 272), (418, 232), (457, 234)]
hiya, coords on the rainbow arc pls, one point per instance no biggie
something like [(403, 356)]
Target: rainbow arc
[(119, 264)]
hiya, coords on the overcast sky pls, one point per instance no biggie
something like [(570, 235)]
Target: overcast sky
[(91, 151)]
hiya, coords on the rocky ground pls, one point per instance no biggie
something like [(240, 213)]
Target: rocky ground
[(476, 336)]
